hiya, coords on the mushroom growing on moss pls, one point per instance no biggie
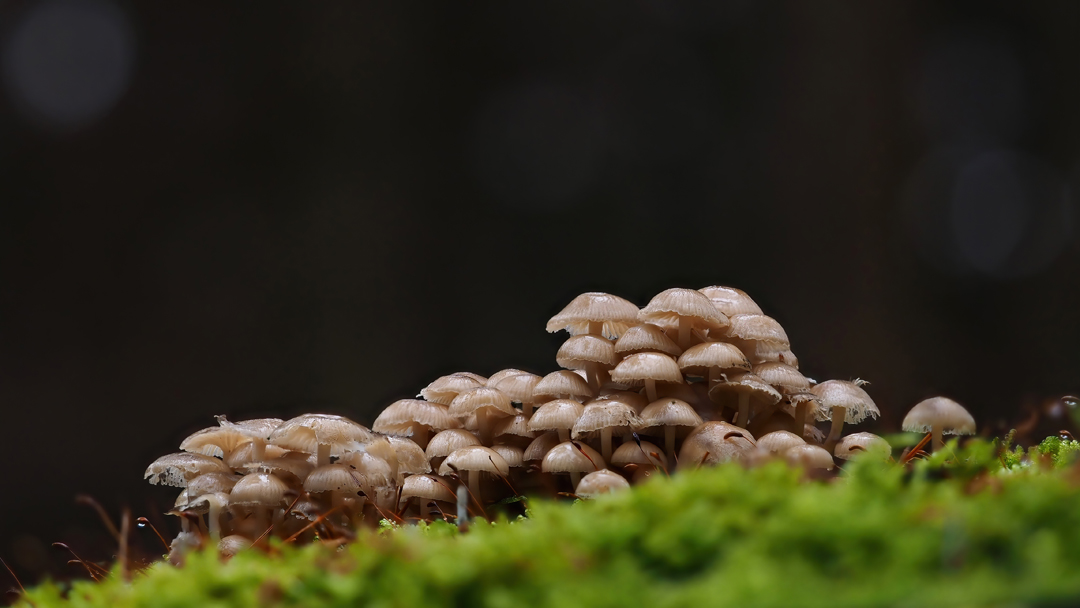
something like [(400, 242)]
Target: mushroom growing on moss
[(938, 415), (843, 401)]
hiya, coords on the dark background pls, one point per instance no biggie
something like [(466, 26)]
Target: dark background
[(270, 210)]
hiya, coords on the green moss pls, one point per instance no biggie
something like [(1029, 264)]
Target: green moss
[(979, 527)]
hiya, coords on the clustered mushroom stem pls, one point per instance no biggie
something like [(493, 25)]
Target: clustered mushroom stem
[(484, 422), (686, 324), (258, 450), (801, 412), (575, 478), (714, 376), (605, 443), (474, 484), (592, 372), (650, 390), (743, 416), (939, 441), (596, 328), (322, 455), (424, 511), (564, 435), (838, 414), (669, 439), (421, 434)]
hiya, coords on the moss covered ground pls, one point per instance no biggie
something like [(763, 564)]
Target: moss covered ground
[(980, 526)]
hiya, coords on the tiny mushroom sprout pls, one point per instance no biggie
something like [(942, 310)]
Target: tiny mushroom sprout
[(842, 401), (685, 309), (671, 415), (938, 415), (647, 369), (599, 314), (861, 443), (600, 482), (414, 418), (475, 459)]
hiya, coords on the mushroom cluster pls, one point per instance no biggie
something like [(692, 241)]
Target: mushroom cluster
[(696, 377)]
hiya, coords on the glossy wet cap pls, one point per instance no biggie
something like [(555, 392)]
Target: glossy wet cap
[(731, 301), (635, 369), (180, 468), (445, 388)]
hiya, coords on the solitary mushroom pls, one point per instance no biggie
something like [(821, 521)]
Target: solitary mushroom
[(938, 415)]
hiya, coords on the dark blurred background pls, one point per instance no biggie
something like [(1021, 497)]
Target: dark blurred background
[(277, 209)]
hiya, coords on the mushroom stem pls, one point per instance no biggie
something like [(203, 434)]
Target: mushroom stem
[(939, 441), (484, 422), (575, 479), (605, 443), (564, 435), (838, 414), (258, 450), (527, 407), (596, 328), (669, 439), (685, 325), (424, 511), (474, 484), (322, 455), (592, 374), (650, 390), (802, 409), (743, 417), (715, 375), (215, 518), (421, 435)]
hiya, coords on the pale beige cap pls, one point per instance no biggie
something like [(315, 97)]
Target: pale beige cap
[(861, 443), (492, 399), (777, 442), (848, 395), (445, 442), (600, 415), (411, 457), (475, 458), (731, 301), (333, 478), (940, 412), (668, 306), (809, 456), (401, 416), (616, 314), (372, 470), (758, 328), (644, 454), (748, 383), (445, 388), (210, 483), (259, 490), (517, 426), (639, 367), (180, 468), (513, 455), (713, 443), (600, 482), (635, 400), (700, 358), (646, 337), (782, 377), (516, 384), (669, 412), (579, 350), (540, 446), (555, 415), (562, 384), (427, 487), (572, 457), (305, 433)]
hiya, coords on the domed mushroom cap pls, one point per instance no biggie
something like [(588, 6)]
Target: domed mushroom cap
[(256, 428), (475, 458), (600, 415), (445, 388), (571, 457), (861, 443), (637, 368), (305, 433), (400, 416), (939, 412), (713, 443), (700, 358), (180, 468), (296, 464), (201, 504), (233, 544), (848, 395), (370, 470), (635, 400), (747, 383), (211, 483), (332, 478), (731, 301), (513, 455), (809, 456), (600, 482), (646, 337), (562, 384), (214, 441), (777, 442), (668, 306), (579, 350), (516, 426), (669, 412), (411, 457), (247, 453), (481, 398), (427, 487), (259, 490), (515, 384), (616, 314), (632, 453), (555, 415), (540, 446), (782, 377), (758, 328), (442, 444)]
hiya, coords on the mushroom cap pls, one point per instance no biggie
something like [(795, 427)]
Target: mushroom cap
[(635, 400), (848, 395), (555, 415), (233, 544), (669, 412), (758, 328), (332, 478), (615, 313), (214, 441), (305, 433), (782, 377), (517, 426), (600, 415), (445, 442), (633, 453), (256, 428), (579, 350), (210, 483), (600, 482), (428, 487), (444, 388), (515, 384), (809, 456), (572, 457), (746, 383), (400, 416), (540, 446), (668, 306), (713, 443), (259, 490), (562, 384), (371, 470), (513, 455), (777, 442), (180, 468), (637, 368), (859, 443), (297, 464), (700, 358), (646, 337), (731, 301), (482, 397), (201, 503), (245, 454), (475, 458), (411, 457), (940, 412)]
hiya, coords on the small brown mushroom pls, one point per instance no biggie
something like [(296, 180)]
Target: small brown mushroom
[(686, 309), (574, 458), (939, 415), (600, 482), (596, 313)]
